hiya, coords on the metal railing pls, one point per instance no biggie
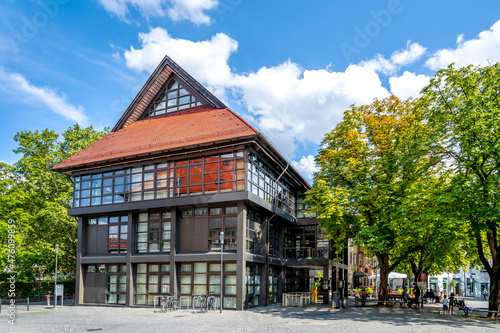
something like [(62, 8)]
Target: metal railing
[(305, 252)]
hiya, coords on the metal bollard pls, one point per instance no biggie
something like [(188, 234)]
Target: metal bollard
[(28, 304), (48, 300)]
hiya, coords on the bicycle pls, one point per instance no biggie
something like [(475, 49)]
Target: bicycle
[(207, 303), (203, 303), (169, 303), (211, 303)]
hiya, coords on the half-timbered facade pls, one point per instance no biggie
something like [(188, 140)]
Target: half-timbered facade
[(152, 197)]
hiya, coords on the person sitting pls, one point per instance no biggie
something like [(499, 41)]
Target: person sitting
[(432, 296), (406, 297), (426, 295)]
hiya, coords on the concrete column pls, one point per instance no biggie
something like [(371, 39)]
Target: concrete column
[(326, 277), (130, 250), (79, 290), (173, 251), (240, 256)]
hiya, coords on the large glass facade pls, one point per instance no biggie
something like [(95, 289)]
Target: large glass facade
[(202, 278), (197, 176), (261, 181), (153, 232), (151, 280), (117, 284), (222, 219), (117, 231)]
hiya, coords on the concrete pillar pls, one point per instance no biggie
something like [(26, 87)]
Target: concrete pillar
[(79, 290), (326, 277), (130, 250), (240, 256), (174, 236)]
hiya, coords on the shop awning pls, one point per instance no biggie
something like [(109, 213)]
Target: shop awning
[(433, 280), (359, 274), (458, 280)]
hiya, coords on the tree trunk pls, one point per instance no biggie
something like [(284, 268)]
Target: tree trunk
[(494, 300), (383, 261), (493, 269)]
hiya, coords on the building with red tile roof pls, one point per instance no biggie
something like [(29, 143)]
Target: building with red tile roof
[(154, 196)]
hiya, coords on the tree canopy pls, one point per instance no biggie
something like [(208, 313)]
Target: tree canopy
[(368, 166), (463, 110), (37, 200)]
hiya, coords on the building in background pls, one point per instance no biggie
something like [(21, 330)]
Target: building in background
[(469, 282), (361, 267), (178, 169)]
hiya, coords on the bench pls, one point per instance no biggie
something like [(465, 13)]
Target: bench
[(467, 309), (363, 302)]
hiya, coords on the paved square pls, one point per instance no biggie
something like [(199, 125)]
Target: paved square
[(263, 319)]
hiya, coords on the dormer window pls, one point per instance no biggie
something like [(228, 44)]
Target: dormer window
[(173, 97)]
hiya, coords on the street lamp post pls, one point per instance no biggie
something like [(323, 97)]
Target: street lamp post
[(39, 278), (55, 279)]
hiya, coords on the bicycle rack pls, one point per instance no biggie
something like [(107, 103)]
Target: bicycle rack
[(187, 302), (159, 303), (197, 297)]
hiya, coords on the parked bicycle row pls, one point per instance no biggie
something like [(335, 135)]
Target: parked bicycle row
[(171, 302)]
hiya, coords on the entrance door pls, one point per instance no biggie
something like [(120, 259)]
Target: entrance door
[(94, 283)]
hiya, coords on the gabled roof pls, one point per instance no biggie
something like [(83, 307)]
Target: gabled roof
[(156, 81), (153, 135)]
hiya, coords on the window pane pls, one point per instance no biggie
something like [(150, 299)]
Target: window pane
[(214, 279), (215, 211), (214, 267), (200, 267), (200, 279), (230, 267), (231, 210), (185, 279)]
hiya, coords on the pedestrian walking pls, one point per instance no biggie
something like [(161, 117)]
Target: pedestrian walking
[(485, 294)]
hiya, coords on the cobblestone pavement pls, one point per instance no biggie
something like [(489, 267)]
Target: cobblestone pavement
[(262, 319)]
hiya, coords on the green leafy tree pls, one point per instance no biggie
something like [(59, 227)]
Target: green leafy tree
[(464, 112), (37, 199), (430, 236), (368, 164)]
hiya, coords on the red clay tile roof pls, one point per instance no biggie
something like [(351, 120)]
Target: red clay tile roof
[(184, 128)]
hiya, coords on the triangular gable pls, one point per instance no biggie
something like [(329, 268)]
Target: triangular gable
[(174, 96), (152, 90)]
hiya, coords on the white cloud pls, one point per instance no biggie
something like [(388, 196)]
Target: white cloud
[(17, 84), (413, 52), (306, 166), (177, 10), (305, 104), (408, 85), (379, 63), (192, 10), (482, 50), (206, 60)]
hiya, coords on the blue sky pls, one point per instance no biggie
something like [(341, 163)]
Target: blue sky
[(289, 67)]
